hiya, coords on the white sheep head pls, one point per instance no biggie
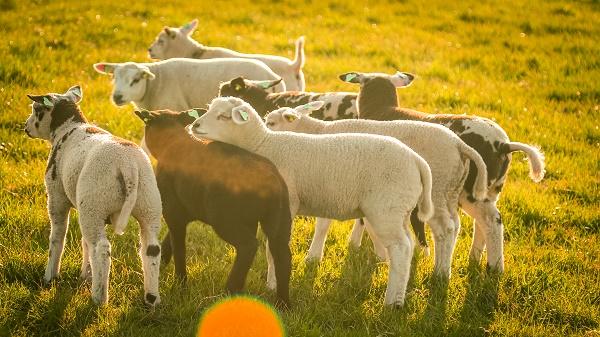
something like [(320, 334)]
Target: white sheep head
[(287, 119), (39, 124), (129, 80), (230, 120), (173, 42)]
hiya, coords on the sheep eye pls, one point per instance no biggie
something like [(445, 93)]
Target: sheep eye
[(223, 117), (161, 41), (270, 123), (134, 81)]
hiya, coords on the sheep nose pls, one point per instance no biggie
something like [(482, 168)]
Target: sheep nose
[(149, 50), (117, 97)]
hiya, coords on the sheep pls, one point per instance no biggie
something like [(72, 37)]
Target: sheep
[(384, 193), (106, 179), (338, 105), (177, 84), (447, 155), (224, 186), (177, 42), (377, 100)]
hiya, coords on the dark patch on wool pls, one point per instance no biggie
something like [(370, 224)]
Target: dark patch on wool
[(122, 184), (153, 250), (63, 111), (499, 220), (343, 108), (52, 161), (298, 77)]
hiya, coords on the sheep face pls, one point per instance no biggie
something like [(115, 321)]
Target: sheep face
[(129, 80), (45, 116), (172, 42), (229, 120), (287, 119)]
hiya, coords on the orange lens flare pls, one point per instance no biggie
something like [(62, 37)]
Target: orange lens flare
[(240, 316)]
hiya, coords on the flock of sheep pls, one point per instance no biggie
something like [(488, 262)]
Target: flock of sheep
[(257, 156)]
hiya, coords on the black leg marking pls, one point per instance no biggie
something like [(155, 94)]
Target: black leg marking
[(150, 298), (153, 250)]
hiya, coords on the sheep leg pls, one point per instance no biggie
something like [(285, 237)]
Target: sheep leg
[(271, 277), (282, 257), (150, 252), (245, 252), (380, 249), (444, 234), (315, 252), (357, 232), (478, 244), (487, 216), (398, 241), (86, 269), (59, 223), (178, 246), (93, 232), (165, 249)]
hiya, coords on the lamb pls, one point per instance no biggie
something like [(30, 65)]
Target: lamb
[(178, 84), (384, 193), (224, 186), (338, 105), (177, 42), (106, 179), (377, 100), (447, 155)]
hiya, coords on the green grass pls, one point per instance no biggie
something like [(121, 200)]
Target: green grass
[(534, 67)]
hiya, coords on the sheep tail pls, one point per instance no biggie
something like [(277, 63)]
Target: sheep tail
[(425, 204), (129, 180), (298, 62), (535, 156), (480, 187)]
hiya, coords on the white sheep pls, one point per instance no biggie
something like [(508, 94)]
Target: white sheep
[(177, 42), (447, 155), (178, 84), (372, 176), (106, 179)]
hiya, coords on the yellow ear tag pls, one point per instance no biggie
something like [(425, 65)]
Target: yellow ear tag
[(244, 115), (350, 77), (290, 118), (193, 113), (237, 87), (48, 103)]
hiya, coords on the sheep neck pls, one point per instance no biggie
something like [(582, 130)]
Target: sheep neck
[(378, 100), (311, 125), (177, 138)]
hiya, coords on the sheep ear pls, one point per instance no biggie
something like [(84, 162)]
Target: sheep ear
[(402, 79), (46, 100), (144, 115), (105, 68), (189, 27), (307, 108), (291, 115), (240, 114), (147, 74), (269, 84), (238, 84), (351, 77), (75, 93), (170, 32)]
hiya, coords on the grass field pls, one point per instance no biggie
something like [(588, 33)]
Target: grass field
[(532, 66)]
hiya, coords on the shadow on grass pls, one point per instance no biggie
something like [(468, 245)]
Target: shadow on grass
[(481, 302), (42, 311)]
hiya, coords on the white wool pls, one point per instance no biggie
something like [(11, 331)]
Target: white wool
[(347, 176), (179, 84), (447, 155)]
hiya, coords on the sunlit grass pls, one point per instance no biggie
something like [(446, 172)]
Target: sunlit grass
[(531, 66)]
